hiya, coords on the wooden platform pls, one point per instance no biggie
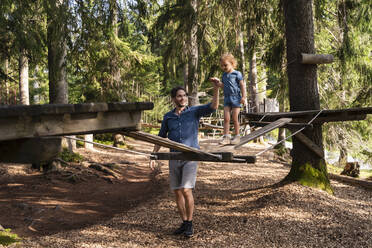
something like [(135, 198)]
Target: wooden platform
[(28, 133), (20, 121), (306, 116)]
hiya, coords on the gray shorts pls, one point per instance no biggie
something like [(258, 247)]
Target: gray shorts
[(182, 174)]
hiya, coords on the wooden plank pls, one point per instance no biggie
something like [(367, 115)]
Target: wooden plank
[(288, 125), (154, 139), (255, 134), (59, 109), (310, 144), (188, 156), (17, 127), (332, 115)]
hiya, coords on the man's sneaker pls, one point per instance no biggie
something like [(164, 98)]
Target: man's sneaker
[(224, 141), (189, 230), (235, 140), (181, 229)]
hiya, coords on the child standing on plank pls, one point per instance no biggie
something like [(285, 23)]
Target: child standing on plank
[(234, 91)]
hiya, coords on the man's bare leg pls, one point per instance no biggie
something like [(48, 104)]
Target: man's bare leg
[(180, 200)]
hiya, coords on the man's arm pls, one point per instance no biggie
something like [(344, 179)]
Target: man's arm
[(216, 96)]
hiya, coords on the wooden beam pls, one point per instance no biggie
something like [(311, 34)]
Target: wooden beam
[(154, 139), (309, 144), (255, 134), (17, 122), (188, 156), (331, 115), (316, 58)]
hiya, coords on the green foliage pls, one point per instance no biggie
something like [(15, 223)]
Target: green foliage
[(7, 238), (69, 156)]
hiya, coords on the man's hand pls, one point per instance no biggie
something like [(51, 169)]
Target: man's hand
[(216, 81), (243, 101)]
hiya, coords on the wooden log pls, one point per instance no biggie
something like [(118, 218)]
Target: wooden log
[(255, 134), (154, 139), (316, 58), (352, 181)]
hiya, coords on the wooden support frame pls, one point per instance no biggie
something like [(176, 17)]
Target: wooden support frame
[(255, 134), (309, 144), (189, 156)]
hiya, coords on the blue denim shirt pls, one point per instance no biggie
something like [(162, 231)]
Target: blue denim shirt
[(231, 83), (184, 128)]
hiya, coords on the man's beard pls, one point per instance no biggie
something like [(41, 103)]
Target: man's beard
[(180, 105)]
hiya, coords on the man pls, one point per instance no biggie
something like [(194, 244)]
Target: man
[(181, 125)]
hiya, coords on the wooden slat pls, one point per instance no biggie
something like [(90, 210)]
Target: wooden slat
[(255, 134), (154, 139)]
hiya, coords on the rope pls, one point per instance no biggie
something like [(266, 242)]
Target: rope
[(115, 148), (270, 147)]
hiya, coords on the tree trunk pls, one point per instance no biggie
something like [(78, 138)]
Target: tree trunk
[(193, 56), (36, 86), (253, 96), (57, 50), (307, 168), (7, 92), (23, 78)]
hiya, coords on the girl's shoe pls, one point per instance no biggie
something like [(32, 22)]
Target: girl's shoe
[(235, 140)]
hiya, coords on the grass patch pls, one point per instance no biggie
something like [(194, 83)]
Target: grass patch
[(334, 169), (69, 156), (7, 238), (365, 173)]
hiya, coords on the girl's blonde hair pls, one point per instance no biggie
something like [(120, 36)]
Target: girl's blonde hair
[(230, 58)]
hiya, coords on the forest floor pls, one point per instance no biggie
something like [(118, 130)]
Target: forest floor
[(237, 205)]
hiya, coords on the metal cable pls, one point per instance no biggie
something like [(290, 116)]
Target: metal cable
[(115, 148), (270, 147)]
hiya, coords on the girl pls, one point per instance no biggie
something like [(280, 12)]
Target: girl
[(234, 92)]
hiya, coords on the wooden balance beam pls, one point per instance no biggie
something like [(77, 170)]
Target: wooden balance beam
[(186, 152), (268, 128)]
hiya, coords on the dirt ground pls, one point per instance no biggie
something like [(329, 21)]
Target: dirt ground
[(237, 205)]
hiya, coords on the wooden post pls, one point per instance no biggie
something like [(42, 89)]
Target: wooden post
[(316, 58)]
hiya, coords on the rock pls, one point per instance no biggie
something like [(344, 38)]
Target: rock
[(118, 140)]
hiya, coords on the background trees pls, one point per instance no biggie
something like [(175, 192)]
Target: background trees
[(124, 50)]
